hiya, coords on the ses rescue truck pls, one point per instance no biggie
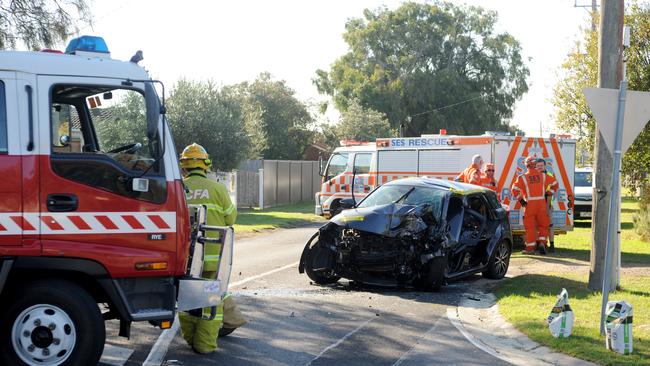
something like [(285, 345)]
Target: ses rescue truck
[(92, 207), (357, 168)]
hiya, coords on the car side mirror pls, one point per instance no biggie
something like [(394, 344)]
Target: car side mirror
[(501, 213), (346, 203)]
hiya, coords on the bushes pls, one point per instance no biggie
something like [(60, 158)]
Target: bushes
[(642, 222), (641, 219)]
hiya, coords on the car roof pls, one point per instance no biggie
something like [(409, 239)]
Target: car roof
[(586, 169), (443, 184)]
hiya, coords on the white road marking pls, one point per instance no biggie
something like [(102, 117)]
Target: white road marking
[(159, 350), (336, 344), (408, 353), (114, 355), (453, 318), (252, 278)]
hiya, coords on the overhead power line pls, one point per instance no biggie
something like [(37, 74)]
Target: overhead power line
[(447, 106)]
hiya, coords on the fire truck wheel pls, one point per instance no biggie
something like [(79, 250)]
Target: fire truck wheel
[(498, 265), (51, 323)]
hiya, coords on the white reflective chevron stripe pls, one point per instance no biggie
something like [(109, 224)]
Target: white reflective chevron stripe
[(15, 223)]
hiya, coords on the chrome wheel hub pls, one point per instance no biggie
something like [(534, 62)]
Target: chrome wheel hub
[(43, 335)]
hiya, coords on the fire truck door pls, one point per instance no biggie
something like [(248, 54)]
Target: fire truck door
[(103, 186), (17, 163)]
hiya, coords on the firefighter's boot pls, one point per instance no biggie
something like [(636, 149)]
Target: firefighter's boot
[(232, 317)]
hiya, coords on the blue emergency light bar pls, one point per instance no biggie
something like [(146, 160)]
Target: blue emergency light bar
[(87, 44)]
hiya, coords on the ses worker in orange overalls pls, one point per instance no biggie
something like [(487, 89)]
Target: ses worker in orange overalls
[(487, 178), (531, 189), (472, 174)]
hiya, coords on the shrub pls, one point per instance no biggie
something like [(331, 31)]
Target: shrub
[(642, 222)]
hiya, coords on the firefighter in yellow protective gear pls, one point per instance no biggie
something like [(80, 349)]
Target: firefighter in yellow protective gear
[(199, 333)]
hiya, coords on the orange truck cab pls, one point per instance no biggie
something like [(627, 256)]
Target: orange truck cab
[(92, 207)]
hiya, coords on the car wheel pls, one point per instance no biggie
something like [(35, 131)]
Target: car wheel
[(499, 261), (51, 323), (433, 276), (314, 256), (335, 208)]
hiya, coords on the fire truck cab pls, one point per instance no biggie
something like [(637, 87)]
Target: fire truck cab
[(92, 205)]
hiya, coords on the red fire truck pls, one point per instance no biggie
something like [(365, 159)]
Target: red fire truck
[(93, 219)]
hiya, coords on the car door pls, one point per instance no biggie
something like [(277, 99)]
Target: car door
[(475, 232)]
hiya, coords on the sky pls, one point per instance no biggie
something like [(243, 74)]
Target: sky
[(232, 41)]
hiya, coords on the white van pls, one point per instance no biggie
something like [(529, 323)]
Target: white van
[(583, 181), (355, 169)]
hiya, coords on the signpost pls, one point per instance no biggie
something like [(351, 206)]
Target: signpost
[(631, 115)]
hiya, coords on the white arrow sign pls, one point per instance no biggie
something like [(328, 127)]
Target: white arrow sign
[(604, 103)]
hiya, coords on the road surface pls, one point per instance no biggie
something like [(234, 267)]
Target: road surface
[(294, 322)]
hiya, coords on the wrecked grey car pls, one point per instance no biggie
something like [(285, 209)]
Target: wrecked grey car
[(416, 231)]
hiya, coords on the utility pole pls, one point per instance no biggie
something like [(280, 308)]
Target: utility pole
[(610, 72), (594, 9)]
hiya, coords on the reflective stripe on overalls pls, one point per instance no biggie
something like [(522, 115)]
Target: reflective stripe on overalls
[(219, 209)]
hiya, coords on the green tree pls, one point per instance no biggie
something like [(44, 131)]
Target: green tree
[(581, 70), (40, 23), (122, 123), (201, 112), (636, 162), (358, 123), (429, 66), (279, 125)]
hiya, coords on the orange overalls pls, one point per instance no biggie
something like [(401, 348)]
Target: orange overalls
[(532, 186), (488, 182), (470, 175)]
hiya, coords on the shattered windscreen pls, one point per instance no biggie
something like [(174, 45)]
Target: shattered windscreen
[(406, 195)]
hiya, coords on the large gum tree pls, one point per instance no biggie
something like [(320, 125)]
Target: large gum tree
[(429, 66)]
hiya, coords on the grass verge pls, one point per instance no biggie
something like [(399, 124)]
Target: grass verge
[(577, 243), (526, 300), (275, 217)]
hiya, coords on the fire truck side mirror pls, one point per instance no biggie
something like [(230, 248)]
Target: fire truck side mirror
[(64, 140), (153, 110), (140, 184)]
